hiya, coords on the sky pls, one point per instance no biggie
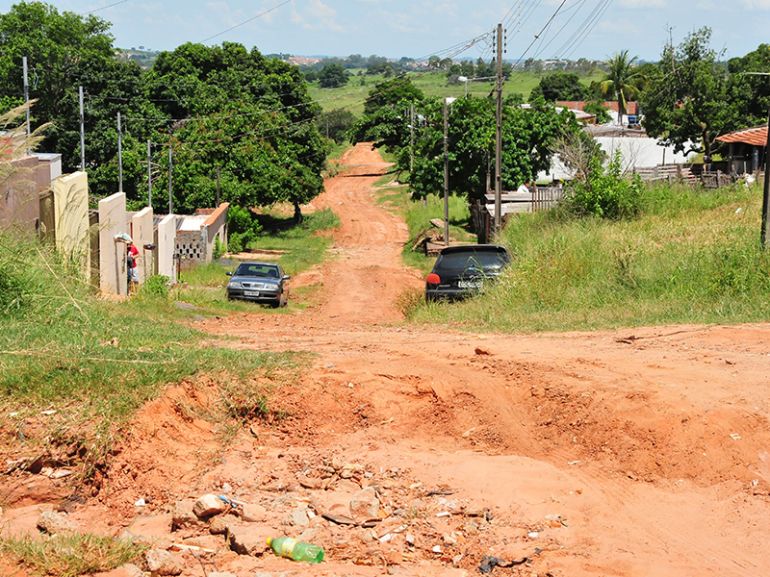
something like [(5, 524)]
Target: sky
[(594, 29)]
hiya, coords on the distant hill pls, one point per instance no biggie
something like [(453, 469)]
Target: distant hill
[(144, 57)]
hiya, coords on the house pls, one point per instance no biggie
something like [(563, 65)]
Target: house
[(631, 117), (746, 149), (198, 234)]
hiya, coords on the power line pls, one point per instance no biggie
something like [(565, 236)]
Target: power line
[(246, 21), (105, 7)]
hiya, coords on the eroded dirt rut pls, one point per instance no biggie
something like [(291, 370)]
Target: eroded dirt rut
[(626, 453)]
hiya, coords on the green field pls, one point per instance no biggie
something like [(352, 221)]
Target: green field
[(353, 95), (692, 256)]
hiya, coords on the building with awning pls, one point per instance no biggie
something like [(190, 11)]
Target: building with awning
[(746, 152)]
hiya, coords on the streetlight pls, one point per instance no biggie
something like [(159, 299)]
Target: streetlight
[(464, 79), (447, 101)]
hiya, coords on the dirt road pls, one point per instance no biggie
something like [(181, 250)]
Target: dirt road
[(632, 453)]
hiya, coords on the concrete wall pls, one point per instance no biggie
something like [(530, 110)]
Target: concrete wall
[(19, 195), (216, 226), (112, 255), (70, 196), (167, 247), (142, 234)]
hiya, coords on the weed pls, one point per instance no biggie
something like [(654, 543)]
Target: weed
[(71, 555)]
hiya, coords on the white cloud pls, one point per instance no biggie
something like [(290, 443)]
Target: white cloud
[(317, 16), (756, 4)]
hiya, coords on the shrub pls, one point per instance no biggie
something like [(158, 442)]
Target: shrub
[(605, 193), (156, 287)]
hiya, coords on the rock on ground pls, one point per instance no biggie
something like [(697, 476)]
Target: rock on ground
[(248, 539), (163, 563), (53, 523), (183, 515), (208, 506)]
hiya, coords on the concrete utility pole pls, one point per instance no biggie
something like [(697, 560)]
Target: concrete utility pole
[(446, 172), (411, 138), (82, 130), (766, 194), (120, 155), (219, 186), (499, 134), (25, 73), (149, 173), (170, 176)]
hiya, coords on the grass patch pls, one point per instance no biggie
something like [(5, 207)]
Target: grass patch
[(304, 245), (71, 555), (693, 256), (94, 362), (433, 84), (418, 214)]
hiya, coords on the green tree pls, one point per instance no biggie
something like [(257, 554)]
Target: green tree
[(391, 92), (335, 124), (688, 102), (250, 120), (559, 86), (332, 76), (64, 51), (751, 92), (529, 135), (619, 82), (597, 108)]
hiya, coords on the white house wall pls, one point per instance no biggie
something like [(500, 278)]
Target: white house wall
[(113, 220)]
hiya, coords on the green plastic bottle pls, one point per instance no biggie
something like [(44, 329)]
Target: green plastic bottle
[(296, 550)]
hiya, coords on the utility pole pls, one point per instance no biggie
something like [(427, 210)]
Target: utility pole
[(411, 138), (766, 194), (25, 73), (219, 186), (499, 134), (149, 173), (120, 155), (82, 130), (170, 176), (446, 171)]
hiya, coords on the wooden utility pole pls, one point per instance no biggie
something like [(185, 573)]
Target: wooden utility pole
[(499, 134), (766, 194)]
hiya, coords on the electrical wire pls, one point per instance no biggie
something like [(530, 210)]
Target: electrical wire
[(105, 7), (263, 13)]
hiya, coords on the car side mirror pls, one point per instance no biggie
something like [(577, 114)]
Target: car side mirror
[(229, 273), (286, 277)]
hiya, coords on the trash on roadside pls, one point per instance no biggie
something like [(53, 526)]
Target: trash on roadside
[(735, 436), (140, 503), (296, 550), (489, 563)]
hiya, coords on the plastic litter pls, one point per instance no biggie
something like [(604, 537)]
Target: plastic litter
[(296, 550)]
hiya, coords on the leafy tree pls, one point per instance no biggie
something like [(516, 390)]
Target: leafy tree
[(529, 135), (751, 91), (250, 119), (332, 76), (392, 92), (66, 50), (386, 117), (605, 192), (559, 86), (688, 103), (596, 108), (618, 84), (336, 123)]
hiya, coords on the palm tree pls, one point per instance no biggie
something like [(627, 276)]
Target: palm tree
[(618, 82)]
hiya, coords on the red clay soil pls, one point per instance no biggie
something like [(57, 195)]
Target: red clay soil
[(629, 453)]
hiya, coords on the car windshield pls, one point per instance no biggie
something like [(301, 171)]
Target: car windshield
[(484, 260), (258, 270)]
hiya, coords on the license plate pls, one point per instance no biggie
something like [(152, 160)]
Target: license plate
[(251, 293), (466, 284)]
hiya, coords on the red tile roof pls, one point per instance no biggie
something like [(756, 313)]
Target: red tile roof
[(752, 136), (631, 107)]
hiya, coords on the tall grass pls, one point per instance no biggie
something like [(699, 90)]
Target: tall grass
[(93, 361), (693, 256)]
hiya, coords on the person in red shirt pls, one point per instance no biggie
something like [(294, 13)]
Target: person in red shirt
[(132, 258)]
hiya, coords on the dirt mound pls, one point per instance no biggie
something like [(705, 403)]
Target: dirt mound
[(166, 447)]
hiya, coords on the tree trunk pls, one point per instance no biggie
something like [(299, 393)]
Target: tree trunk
[(297, 213)]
